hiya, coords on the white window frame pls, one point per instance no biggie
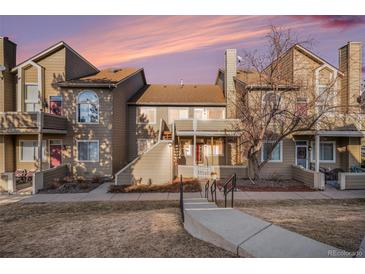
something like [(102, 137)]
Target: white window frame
[(324, 161), (176, 108), (44, 149), (77, 108), (152, 142), (31, 102), (296, 152), (149, 122), (87, 141), (281, 152)]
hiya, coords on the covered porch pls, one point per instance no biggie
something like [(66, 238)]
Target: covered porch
[(22, 158), (333, 154), (207, 148)]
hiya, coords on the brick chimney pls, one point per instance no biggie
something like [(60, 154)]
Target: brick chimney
[(350, 63), (7, 79), (230, 71)]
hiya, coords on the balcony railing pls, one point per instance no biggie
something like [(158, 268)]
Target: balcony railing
[(190, 125), (28, 122)]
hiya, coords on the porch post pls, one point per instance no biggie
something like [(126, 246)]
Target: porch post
[(317, 144), (40, 141), (211, 149)]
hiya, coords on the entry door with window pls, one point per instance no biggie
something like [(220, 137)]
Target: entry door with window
[(199, 153), (301, 154), (31, 98), (55, 149)]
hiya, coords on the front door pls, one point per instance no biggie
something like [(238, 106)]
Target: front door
[(199, 154), (55, 148), (302, 155)]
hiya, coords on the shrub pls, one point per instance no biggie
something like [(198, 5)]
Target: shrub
[(97, 179), (189, 186)]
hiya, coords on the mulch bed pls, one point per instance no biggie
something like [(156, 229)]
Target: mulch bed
[(268, 186), (174, 187), (71, 184), (71, 188)]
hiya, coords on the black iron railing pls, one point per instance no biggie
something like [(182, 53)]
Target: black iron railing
[(206, 190), (182, 198), (213, 191), (229, 186)]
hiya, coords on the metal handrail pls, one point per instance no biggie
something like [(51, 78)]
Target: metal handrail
[(182, 198), (206, 190), (213, 191), (226, 189)]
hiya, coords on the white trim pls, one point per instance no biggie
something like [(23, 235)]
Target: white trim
[(77, 108), (273, 161), (49, 146), (77, 151), (324, 161), (306, 145), (149, 122)]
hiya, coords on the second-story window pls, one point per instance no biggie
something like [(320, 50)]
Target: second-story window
[(31, 98), (146, 115), (88, 107)]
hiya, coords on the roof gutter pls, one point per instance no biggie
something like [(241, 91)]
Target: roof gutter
[(86, 85)]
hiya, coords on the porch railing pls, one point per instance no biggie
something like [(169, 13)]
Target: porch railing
[(206, 190), (229, 186), (213, 191), (182, 199)]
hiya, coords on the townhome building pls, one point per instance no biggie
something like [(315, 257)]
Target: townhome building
[(60, 115)]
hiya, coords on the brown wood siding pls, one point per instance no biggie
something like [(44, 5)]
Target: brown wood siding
[(101, 131), (121, 95), (30, 75), (77, 67)]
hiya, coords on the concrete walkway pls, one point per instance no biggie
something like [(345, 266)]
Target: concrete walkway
[(101, 194), (248, 236)]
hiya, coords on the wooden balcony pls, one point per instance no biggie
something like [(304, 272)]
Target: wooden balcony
[(206, 127), (28, 123)]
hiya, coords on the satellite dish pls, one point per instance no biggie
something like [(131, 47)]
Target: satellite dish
[(2, 68), (240, 59)]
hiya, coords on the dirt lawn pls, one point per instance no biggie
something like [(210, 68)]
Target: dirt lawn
[(98, 229), (340, 223)]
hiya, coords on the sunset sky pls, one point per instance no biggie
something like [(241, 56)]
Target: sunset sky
[(171, 48)]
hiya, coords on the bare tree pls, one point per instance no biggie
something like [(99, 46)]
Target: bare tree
[(276, 100)]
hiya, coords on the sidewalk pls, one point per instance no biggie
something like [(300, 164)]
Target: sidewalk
[(101, 194), (248, 236)]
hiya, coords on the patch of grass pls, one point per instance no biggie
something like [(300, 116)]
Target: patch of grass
[(340, 223), (174, 187), (99, 229)]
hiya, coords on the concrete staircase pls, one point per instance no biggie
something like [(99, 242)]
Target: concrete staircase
[(248, 236), (153, 166)]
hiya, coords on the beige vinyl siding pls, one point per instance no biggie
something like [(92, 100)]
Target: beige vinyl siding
[(281, 170), (7, 58), (77, 67), (154, 166), (54, 71), (121, 95), (30, 75), (7, 156)]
